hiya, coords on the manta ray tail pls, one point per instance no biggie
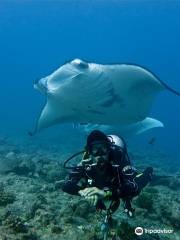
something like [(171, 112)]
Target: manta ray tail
[(169, 88), (163, 83)]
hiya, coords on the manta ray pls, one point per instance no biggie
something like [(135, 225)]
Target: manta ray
[(118, 95)]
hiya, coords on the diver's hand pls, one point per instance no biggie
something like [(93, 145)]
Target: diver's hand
[(92, 194), (92, 200), (92, 191), (84, 162)]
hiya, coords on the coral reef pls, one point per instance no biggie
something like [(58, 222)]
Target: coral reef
[(5, 196), (33, 206), (126, 231), (16, 224), (145, 200)]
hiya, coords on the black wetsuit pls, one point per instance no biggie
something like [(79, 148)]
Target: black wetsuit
[(119, 178)]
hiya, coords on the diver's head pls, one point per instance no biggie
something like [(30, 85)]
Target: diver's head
[(98, 146)]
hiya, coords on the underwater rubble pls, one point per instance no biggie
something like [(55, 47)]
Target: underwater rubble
[(33, 206)]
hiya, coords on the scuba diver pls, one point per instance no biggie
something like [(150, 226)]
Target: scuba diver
[(105, 174)]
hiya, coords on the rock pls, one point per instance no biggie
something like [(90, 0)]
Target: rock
[(29, 236), (126, 231), (83, 209), (56, 229), (10, 155), (20, 164), (145, 200), (25, 167), (59, 184), (6, 197), (16, 224), (9, 162), (44, 217), (175, 183)]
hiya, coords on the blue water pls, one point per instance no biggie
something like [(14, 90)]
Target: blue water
[(36, 37)]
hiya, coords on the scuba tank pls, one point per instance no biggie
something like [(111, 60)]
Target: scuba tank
[(119, 149)]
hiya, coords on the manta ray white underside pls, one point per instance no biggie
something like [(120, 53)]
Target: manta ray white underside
[(117, 95)]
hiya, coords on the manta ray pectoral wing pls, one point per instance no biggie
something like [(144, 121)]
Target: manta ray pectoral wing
[(52, 114), (146, 124), (126, 130)]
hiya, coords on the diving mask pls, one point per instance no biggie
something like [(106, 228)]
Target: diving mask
[(99, 149)]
